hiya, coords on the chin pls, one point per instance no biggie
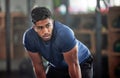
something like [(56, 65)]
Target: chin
[(46, 39)]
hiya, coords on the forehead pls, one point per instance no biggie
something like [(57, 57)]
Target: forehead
[(43, 22)]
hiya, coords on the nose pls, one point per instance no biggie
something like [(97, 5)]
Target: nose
[(45, 30)]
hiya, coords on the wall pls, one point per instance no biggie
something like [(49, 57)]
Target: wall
[(21, 5)]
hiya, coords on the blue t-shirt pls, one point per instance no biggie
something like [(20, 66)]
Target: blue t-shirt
[(62, 40)]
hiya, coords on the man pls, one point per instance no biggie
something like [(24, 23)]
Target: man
[(67, 57)]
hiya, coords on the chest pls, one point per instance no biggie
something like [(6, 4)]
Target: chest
[(50, 51)]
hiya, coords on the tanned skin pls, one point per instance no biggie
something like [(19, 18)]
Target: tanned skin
[(44, 30), (71, 57), (37, 65)]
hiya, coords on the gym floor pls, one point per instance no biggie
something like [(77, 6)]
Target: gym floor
[(15, 74)]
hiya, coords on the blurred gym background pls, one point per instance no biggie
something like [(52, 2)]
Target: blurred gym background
[(96, 23)]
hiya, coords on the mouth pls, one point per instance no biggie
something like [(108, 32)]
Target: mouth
[(46, 37)]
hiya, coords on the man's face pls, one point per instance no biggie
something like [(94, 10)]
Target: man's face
[(44, 28)]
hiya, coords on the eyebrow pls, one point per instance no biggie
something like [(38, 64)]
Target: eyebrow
[(45, 25)]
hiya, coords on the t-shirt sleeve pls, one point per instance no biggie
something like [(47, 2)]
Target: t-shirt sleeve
[(67, 40), (28, 42)]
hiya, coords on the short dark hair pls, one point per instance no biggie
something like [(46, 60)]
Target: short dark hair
[(40, 13)]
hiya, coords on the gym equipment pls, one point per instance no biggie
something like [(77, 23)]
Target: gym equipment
[(116, 22), (116, 46)]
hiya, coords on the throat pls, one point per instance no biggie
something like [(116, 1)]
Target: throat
[(47, 43)]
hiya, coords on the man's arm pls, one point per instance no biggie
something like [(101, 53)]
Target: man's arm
[(37, 65), (71, 58)]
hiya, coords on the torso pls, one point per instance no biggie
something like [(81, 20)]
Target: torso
[(51, 50)]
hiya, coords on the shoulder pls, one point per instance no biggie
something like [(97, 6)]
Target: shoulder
[(63, 30), (66, 32), (29, 39), (66, 37), (29, 33)]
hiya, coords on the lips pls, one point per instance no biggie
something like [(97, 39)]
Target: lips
[(46, 37)]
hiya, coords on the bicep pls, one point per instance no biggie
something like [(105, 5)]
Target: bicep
[(71, 56)]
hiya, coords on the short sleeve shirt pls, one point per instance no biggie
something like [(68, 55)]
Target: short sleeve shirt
[(62, 40)]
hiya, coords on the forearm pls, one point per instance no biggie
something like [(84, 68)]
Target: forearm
[(75, 71), (71, 58), (39, 72), (37, 64)]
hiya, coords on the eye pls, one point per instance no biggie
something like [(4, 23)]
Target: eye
[(48, 25), (39, 27)]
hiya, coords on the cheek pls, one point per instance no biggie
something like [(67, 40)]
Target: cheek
[(51, 29), (39, 33)]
